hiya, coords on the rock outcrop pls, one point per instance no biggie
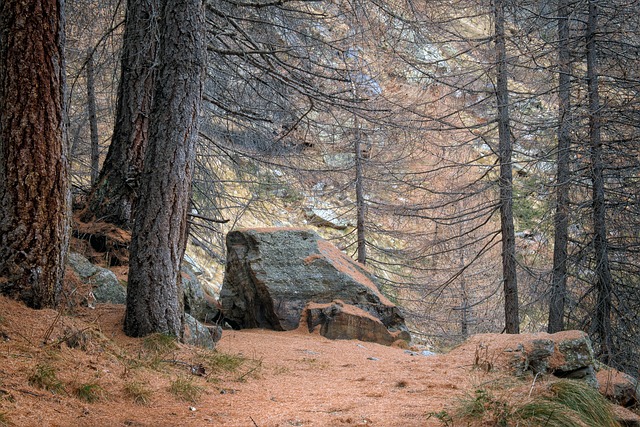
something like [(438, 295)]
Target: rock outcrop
[(272, 274), (619, 387), (337, 320), (565, 354)]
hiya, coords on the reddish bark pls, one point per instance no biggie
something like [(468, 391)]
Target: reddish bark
[(34, 184)]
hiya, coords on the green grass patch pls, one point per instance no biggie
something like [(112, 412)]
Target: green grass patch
[(586, 402), (159, 343), (138, 392), (218, 361), (44, 376), (484, 406), (90, 392), (184, 388), (563, 403)]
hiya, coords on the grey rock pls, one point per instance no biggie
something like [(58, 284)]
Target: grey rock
[(193, 294), (81, 265), (198, 334), (107, 288), (425, 353), (193, 265), (618, 387), (326, 218), (566, 354), (197, 302), (577, 353), (339, 160), (105, 284), (539, 354), (271, 275)]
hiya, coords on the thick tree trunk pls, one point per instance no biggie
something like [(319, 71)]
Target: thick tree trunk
[(93, 120), (160, 228), (512, 322), (34, 184), (601, 327), (113, 197), (561, 219)]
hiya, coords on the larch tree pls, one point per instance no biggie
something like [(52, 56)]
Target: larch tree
[(113, 196), (160, 228), (561, 217), (510, 284), (34, 183), (93, 120), (601, 327)]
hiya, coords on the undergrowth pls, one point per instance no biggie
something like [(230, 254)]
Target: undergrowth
[(563, 403), (218, 361), (4, 420), (138, 392), (89, 392), (186, 389), (228, 366), (155, 348), (44, 376), (159, 343)]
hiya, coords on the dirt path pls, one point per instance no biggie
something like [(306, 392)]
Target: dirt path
[(309, 380), (287, 378)]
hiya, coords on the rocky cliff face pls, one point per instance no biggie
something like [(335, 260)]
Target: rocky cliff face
[(272, 274)]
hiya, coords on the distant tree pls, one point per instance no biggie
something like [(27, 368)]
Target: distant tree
[(563, 178), (601, 326), (113, 196), (159, 234), (511, 304), (34, 184), (93, 36), (93, 120)]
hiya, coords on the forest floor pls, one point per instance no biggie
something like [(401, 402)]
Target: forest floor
[(79, 369)]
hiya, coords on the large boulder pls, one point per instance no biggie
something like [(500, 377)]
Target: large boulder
[(272, 274)]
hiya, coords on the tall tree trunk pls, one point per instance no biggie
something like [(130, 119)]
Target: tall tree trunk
[(512, 322), (34, 183), (160, 227), (114, 194), (360, 202), (561, 218), (93, 121), (601, 327)]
